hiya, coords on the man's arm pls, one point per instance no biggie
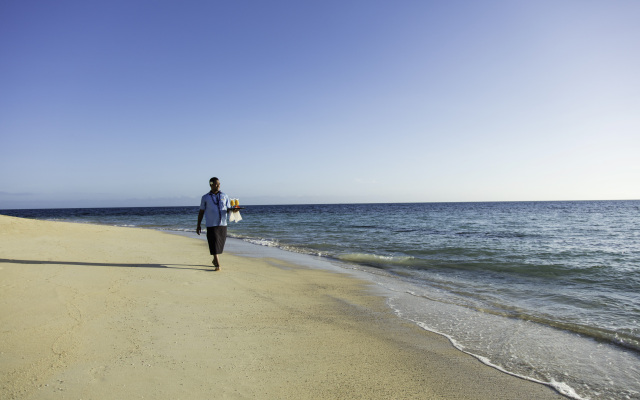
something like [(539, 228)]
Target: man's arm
[(200, 215)]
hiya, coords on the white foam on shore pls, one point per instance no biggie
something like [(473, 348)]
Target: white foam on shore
[(560, 387)]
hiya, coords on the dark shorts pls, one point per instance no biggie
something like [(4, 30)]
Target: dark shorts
[(216, 236)]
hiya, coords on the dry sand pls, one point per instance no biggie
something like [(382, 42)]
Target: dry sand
[(99, 312)]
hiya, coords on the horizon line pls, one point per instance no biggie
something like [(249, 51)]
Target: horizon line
[(320, 204)]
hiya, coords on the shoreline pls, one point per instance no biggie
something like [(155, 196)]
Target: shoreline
[(108, 312)]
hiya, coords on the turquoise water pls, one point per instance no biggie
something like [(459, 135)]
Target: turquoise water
[(545, 290)]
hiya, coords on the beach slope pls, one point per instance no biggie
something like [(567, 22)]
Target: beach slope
[(100, 312)]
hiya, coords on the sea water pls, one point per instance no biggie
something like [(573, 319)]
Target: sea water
[(549, 291)]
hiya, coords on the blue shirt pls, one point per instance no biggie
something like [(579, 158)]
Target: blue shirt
[(215, 208)]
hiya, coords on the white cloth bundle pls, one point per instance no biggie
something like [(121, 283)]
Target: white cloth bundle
[(235, 216)]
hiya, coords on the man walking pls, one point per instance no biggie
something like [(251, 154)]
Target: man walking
[(213, 207)]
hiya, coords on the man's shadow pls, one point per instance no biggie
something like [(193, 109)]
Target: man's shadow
[(90, 264)]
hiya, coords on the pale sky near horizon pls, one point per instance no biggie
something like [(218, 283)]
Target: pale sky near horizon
[(139, 103)]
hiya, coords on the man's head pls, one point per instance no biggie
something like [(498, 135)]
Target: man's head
[(215, 184)]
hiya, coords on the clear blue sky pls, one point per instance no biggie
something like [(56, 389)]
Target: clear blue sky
[(131, 102)]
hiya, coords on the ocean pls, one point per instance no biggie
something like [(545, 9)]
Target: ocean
[(547, 291)]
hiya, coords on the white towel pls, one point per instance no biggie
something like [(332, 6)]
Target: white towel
[(235, 216)]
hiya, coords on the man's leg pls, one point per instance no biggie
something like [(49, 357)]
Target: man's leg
[(217, 237)]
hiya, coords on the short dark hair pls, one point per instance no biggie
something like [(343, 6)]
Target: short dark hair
[(213, 179)]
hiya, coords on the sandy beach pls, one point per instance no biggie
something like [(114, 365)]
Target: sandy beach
[(100, 312)]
